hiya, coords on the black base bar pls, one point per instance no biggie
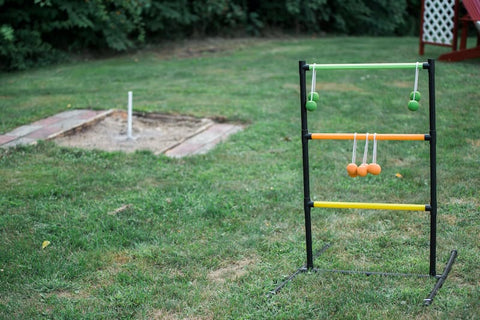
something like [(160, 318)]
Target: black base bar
[(302, 269), (373, 273), (428, 301)]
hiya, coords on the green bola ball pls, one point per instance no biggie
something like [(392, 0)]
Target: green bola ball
[(311, 105), (415, 95), (413, 105), (315, 98)]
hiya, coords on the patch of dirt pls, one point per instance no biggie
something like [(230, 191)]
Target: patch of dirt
[(199, 47), (155, 132), (474, 142), (450, 219), (121, 258), (166, 315), (231, 272)]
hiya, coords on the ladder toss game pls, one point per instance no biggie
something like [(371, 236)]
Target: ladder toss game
[(308, 103)]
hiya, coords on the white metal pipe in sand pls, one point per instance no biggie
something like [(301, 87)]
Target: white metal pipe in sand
[(129, 116)]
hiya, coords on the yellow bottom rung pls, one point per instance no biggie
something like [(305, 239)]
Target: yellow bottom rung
[(373, 206)]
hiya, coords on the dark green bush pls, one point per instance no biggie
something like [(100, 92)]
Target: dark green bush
[(168, 19), (374, 17), (38, 32), (34, 33)]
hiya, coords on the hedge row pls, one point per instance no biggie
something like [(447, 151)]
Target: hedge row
[(39, 32)]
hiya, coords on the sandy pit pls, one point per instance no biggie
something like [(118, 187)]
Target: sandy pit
[(155, 132)]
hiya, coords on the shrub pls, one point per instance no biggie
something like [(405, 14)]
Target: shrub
[(36, 33)]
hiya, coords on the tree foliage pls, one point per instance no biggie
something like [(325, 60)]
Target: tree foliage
[(36, 32)]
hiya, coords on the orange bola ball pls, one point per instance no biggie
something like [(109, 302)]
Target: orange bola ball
[(362, 170), (352, 170), (374, 168)]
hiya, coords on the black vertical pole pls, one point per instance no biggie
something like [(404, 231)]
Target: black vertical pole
[(306, 176), (433, 167)]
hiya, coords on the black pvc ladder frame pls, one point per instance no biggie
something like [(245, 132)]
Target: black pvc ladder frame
[(432, 207)]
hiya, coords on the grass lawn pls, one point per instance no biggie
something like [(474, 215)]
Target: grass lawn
[(206, 237)]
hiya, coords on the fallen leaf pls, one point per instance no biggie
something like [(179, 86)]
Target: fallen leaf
[(45, 244)]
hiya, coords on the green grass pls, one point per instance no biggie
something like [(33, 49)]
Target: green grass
[(206, 237)]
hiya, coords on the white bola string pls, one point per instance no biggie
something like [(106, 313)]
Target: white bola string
[(415, 85), (374, 159), (354, 155), (314, 83), (365, 151)]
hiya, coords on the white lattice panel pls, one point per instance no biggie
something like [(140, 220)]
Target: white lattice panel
[(438, 21)]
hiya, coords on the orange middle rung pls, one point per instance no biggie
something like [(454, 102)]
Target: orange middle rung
[(362, 136)]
